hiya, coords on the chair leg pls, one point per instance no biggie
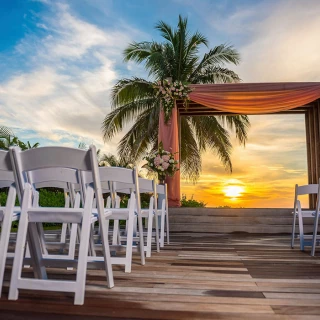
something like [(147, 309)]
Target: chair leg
[(83, 251), (91, 243), (157, 231), (106, 251), (73, 240), (301, 232), (115, 238), (42, 238), (141, 240), (63, 233), (5, 233), (162, 226), (293, 229), (168, 232), (34, 241), (315, 232), (149, 234), (20, 246), (130, 223)]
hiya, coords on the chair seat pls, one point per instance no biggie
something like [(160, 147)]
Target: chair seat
[(55, 215), (15, 215), (307, 213)]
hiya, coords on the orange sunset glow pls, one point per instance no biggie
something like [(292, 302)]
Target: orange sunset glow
[(265, 171)]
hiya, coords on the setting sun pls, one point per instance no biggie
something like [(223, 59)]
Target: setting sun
[(233, 191)]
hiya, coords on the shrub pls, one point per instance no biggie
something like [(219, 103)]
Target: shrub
[(191, 202)]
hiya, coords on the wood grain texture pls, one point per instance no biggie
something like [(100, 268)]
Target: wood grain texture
[(216, 220), (198, 276)]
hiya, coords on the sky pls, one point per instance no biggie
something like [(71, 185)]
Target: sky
[(59, 59)]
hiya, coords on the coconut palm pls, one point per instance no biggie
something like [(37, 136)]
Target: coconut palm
[(110, 160), (136, 100)]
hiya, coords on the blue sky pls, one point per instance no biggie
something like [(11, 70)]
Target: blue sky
[(59, 60)]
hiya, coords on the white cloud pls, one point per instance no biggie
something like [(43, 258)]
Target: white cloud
[(284, 45), (65, 95)]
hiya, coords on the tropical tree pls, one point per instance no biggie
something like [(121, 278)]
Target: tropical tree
[(136, 101), (110, 160)]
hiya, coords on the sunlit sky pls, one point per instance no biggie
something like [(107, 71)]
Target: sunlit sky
[(59, 60)]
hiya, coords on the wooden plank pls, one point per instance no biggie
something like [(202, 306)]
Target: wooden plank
[(198, 276)]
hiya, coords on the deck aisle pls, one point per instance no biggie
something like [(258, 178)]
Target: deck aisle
[(198, 276)]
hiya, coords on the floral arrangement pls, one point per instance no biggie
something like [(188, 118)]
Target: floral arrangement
[(162, 162), (171, 91)]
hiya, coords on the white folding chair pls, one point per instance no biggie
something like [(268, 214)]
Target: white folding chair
[(72, 199), (53, 164), (113, 175), (8, 213), (163, 212), (145, 186), (300, 213)]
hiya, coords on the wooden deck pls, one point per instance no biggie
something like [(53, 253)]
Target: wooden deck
[(198, 276)]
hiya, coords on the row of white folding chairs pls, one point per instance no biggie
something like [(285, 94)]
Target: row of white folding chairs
[(145, 185), (73, 166), (300, 214), (156, 214)]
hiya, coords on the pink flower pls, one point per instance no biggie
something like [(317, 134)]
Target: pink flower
[(157, 160), (166, 158), (165, 165)]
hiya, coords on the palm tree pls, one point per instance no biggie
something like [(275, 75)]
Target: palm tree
[(110, 160), (135, 100)]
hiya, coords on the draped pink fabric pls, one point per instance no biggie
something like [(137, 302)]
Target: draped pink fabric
[(169, 135), (255, 98), (239, 98)]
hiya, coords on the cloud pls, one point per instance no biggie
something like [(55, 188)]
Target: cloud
[(63, 93), (284, 44)]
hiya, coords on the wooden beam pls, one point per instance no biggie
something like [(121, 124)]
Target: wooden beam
[(309, 155), (316, 141)]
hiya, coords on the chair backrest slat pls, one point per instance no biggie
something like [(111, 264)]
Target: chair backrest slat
[(50, 164), (61, 175), (307, 189), (146, 185)]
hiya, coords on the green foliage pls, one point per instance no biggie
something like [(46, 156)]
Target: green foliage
[(110, 160), (136, 101), (191, 202), (144, 197), (48, 197), (51, 197)]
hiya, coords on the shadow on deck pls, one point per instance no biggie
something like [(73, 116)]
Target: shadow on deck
[(197, 276)]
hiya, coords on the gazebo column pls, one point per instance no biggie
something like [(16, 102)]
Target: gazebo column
[(312, 120), (169, 135)]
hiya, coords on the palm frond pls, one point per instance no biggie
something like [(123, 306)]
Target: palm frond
[(128, 90), (216, 75), (210, 134), (142, 135), (115, 121), (239, 123), (190, 157), (216, 57)]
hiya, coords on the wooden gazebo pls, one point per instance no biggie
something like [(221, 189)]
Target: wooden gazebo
[(250, 99)]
